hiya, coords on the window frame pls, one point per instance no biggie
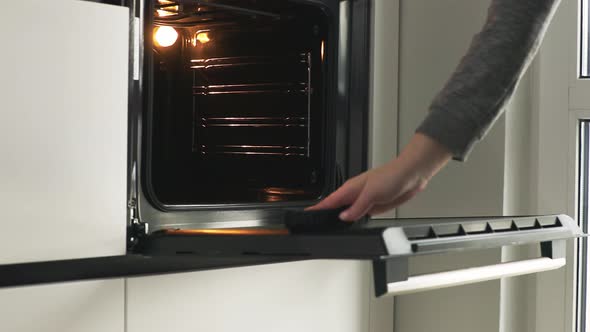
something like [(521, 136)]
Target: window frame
[(584, 39), (581, 266), (579, 108), (560, 101), (582, 137)]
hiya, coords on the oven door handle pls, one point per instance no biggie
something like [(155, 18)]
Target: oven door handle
[(438, 280)]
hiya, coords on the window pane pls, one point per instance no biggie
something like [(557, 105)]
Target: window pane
[(585, 41), (583, 213)]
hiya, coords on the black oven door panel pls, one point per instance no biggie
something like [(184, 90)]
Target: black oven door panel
[(387, 243)]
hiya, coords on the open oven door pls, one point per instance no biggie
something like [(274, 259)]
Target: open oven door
[(388, 243)]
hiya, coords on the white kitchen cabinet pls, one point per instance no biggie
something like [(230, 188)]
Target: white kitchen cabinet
[(63, 132), (95, 306), (322, 296)]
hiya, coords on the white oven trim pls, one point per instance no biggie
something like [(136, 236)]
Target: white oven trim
[(432, 281)]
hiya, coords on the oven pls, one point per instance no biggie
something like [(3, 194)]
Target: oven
[(242, 111), (246, 109)]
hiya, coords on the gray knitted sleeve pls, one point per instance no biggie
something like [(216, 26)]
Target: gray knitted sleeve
[(476, 93)]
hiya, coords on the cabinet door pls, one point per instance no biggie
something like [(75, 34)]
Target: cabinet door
[(63, 129), (323, 296), (63, 120), (96, 306)]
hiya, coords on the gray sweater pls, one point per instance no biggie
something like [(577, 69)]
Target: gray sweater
[(476, 93)]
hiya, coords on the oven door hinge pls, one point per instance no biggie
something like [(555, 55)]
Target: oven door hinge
[(136, 230)]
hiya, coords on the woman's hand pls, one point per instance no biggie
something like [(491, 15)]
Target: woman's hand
[(386, 187)]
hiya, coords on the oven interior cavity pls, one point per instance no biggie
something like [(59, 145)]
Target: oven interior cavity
[(238, 102)]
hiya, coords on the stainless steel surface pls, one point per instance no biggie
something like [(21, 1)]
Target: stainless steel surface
[(267, 150), (236, 61), (254, 122), (279, 87), (308, 91), (227, 216)]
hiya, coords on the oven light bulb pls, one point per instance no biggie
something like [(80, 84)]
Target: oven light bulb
[(165, 36), (203, 37)]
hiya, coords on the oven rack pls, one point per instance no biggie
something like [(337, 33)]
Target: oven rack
[(254, 121), (266, 119), (266, 150), (251, 88), (204, 10), (265, 67), (236, 61)]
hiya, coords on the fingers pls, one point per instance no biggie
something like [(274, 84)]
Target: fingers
[(346, 194), (374, 192), (333, 201), (359, 208)]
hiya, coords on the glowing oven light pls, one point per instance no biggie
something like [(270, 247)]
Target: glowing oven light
[(322, 50), (202, 37), (165, 36), (167, 11), (229, 231), (164, 13)]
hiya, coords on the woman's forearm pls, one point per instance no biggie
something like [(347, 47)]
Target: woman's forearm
[(475, 95), (423, 156)]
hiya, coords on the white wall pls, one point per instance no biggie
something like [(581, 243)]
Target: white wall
[(518, 295), (519, 176), (434, 36)]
